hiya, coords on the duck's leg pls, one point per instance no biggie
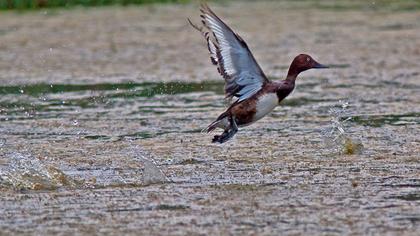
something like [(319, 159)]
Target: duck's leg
[(228, 133)]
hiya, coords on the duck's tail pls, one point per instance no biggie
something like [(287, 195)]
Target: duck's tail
[(211, 127), (215, 124)]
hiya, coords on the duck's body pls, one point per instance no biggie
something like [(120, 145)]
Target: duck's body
[(257, 106), (245, 80)]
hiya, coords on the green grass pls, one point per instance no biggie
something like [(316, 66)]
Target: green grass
[(36, 4), (369, 5), (335, 5)]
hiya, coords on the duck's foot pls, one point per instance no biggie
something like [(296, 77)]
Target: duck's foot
[(224, 137), (227, 134), (216, 139)]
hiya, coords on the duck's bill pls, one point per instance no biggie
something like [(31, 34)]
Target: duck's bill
[(319, 66)]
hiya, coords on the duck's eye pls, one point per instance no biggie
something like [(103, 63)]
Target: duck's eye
[(308, 59)]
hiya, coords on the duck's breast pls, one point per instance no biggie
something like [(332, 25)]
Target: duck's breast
[(265, 104)]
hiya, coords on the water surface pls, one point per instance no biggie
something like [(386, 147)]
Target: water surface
[(101, 132)]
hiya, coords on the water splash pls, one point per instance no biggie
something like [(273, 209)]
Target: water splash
[(25, 172), (2, 142), (152, 174), (336, 136)]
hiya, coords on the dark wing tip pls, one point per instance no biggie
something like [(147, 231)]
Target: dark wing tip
[(198, 28), (193, 25), (205, 9), (204, 5)]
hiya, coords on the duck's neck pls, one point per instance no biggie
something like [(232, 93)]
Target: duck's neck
[(292, 74), (285, 88), (291, 78)]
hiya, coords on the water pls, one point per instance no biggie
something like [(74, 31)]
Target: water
[(123, 139), (102, 133), (65, 113), (28, 173), (152, 174), (336, 137)]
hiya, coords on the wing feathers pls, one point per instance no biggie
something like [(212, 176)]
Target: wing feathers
[(231, 55), (212, 47)]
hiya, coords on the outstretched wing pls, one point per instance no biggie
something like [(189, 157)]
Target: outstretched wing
[(231, 55)]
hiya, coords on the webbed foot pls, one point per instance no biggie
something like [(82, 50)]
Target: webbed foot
[(227, 134)]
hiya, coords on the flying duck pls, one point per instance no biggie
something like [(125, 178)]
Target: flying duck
[(255, 94)]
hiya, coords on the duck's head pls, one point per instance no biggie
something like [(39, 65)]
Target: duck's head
[(301, 63)]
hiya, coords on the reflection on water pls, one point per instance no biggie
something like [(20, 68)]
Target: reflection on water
[(136, 89), (45, 101), (409, 118)]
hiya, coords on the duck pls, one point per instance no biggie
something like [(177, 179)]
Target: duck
[(252, 95)]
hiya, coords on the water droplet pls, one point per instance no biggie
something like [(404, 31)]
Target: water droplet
[(344, 104), (336, 137), (152, 174), (2, 142), (27, 172)]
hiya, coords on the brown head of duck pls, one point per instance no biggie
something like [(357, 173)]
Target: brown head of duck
[(301, 63)]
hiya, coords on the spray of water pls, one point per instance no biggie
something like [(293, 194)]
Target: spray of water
[(336, 136), (152, 174), (25, 172)]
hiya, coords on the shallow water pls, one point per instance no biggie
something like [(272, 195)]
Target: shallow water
[(119, 154), (123, 137)]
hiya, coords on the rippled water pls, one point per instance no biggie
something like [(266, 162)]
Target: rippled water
[(65, 112), (130, 135), (126, 112), (87, 147)]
